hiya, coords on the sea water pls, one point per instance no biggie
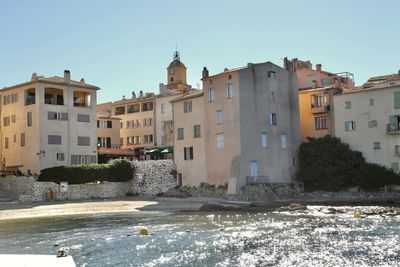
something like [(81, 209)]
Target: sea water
[(210, 239)]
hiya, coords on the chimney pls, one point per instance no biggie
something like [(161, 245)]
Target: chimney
[(141, 94), (123, 97), (205, 73), (133, 95), (34, 76), (226, 69), (315, 84), (67, 76), (319, 67), (82, 81)]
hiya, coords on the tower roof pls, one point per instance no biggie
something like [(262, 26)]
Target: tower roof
[(176, 61)]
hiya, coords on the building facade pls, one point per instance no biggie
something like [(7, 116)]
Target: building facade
[(189, 154), (368, 119), (251, 124), (316, 90), (48, 122)]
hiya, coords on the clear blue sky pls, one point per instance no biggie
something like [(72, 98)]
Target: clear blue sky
[(126, 45)]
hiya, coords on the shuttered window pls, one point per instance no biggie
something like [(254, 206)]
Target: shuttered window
[(83, 118), (396, 99), (22, 139), (54, 139), (83, 141)]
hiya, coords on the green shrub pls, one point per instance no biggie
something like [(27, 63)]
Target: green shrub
[(115, 171), (328, 164)]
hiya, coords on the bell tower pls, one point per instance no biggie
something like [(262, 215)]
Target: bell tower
[(176, 74)]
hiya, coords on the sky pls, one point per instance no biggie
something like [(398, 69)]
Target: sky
[(124, 46)]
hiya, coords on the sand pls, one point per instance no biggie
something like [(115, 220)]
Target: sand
[(10, 211)]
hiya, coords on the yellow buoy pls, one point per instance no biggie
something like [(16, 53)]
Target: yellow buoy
[(143, 231), (357, 215)]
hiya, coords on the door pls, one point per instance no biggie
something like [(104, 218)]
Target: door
[(253, 171)]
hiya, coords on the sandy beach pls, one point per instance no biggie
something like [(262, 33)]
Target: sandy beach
[(10, 211)]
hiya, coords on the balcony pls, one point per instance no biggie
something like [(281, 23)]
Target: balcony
[(392, 129), (82, 99), (319, 109), (257, 180)]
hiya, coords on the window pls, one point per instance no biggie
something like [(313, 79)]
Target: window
[(283, 141), (15, 138), (147, 122), (229, 90), (148, 138), (188, 153), (104, 124), (371, 102), (187, 106), (272, 119), (104, 142), (196, 131), (61, 116), (6, 121), (54, 139), (320, 123), (134, 108), (83, 159), (13, 118), (83, 141), (162, 107), (350, 126), (9, 99), (22, 139), (29, 118), (396, 96), (53, 96), (264, 140), (220, 141), (83, 118), (180, 133), (121, 141), (147, 106), (119, 111), (130, 140), (82, 99), (318, 101), (372, 124), (347, 104), (377, 145), (211, 95), (272, 74), (60, 156), (30, 97), (220, 117), (6, 142)]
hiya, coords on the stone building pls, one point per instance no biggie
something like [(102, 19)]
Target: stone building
[(251, 124), (368, 119), (48, 122)]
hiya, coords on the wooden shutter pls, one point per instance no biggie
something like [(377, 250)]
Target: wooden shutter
[(108, 142), (109, 124)]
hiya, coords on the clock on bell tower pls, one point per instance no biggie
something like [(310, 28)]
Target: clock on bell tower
[(176, 73)]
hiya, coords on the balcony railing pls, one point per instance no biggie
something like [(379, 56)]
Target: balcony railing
[(257, 179), (392, 129), (319, 109)]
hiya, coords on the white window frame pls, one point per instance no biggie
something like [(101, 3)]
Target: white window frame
[(229, 90), (264, 140), (220, 141), (219, 117), (211, 95), (283, 141)]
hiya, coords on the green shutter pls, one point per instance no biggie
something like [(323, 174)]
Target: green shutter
[(396, 99)]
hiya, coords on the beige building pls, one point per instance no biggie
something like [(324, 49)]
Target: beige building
[(368, 119), (137, 122), (189, 154), (251, 124), (316, 90), (164, 127), (48, 122)]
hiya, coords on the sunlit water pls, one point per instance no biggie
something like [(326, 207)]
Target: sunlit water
[(211, 239)]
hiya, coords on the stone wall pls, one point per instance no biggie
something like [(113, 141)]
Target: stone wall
[(152, 178)]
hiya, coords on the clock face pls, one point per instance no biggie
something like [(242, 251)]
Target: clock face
[(171, 71)]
